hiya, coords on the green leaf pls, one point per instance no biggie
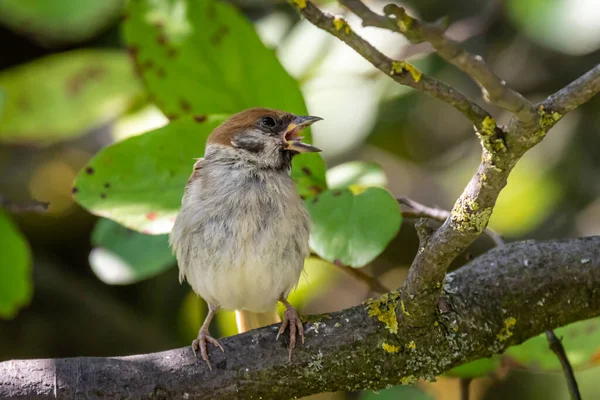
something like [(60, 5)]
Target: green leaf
[(122, 256), (52, 22), (204, 57), (16, 286), (358, 173), (353, 228), (477, 368), (139, 182), (581, 341), (308, 171), (63, 95), (396, 393)]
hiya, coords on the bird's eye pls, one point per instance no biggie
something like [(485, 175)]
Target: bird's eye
[(269, 122)]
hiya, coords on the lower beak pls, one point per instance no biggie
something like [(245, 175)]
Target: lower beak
[(293, 141)]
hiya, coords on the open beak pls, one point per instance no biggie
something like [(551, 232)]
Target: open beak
[(291, 136)]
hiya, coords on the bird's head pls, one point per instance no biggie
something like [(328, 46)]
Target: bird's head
[(262, 137)]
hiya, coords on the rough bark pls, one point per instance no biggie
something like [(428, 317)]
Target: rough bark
[(499, 299)]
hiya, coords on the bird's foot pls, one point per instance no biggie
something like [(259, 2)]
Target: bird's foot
[(291, 318), (200, 343)]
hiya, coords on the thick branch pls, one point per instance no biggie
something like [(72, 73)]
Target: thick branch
[(493, 302), (401, 72)]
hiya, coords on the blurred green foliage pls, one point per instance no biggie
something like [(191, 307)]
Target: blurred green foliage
[(200, 61), (55, 22), (62, 96), (15, 269), (581, 341)]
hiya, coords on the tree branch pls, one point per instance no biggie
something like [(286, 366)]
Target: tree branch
[(575, 94), (400, 71), (419, 210), (23, 206), (471, 212), (492, 304), (494, 89), (558, 349)]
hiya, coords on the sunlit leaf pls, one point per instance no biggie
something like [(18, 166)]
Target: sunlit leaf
[(16, 286), (64, 95), (356, 173), (477, 368), (122, 256), (353, 228), (581, 341), (52, 22), (204, 57), (139, 182)]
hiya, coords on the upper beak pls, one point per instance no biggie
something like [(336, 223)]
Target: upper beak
[(292, 140)]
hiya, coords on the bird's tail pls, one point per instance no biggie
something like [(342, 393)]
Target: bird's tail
[(247, 320)]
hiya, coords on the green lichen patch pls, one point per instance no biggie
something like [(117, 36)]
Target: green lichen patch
[(301, 4), (468, 216), (547, 120), (390, 348), (399, 67), (411, 345), (313, 319), (506, 332), (340, 23), (384, 308), (408, 380), (404, 311), (488, 126), (489, 139)]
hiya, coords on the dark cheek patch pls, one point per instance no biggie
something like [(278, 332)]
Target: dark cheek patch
[(250, 144)]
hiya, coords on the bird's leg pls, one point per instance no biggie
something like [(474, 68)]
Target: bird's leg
[(204, 336), (291, 318)]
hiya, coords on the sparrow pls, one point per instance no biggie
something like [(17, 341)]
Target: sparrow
[(241, 235)]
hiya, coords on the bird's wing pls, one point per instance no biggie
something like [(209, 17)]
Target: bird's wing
[(195, 173)]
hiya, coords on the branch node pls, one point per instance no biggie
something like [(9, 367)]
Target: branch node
[(424, 231)]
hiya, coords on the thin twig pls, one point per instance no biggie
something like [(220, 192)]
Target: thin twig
[(494, 89), (419, 210), (23, 206), (575, 93), (558, 349), (372, 282), (400, 71)]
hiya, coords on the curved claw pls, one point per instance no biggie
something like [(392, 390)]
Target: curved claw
[(200, 343), (291, 319)]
